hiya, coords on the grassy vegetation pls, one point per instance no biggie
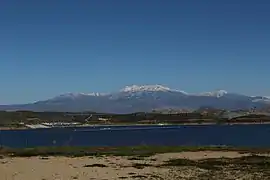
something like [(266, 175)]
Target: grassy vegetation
[(246, 167), (96, 165), (138, 151), (17, 119), (252, 162), (141, 165), (7, 117)]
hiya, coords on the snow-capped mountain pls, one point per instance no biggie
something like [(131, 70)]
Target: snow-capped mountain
[(136, 98)]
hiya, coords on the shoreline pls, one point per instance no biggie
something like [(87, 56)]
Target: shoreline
[(143, 150), (160, 124)]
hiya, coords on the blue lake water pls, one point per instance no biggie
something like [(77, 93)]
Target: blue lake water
[(232, 135)]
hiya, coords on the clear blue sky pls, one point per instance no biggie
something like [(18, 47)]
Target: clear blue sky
[(55, 46)]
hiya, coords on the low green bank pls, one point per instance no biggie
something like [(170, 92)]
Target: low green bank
[(118, 151)]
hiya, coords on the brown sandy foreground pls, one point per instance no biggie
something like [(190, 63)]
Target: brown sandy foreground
[(199, 165)]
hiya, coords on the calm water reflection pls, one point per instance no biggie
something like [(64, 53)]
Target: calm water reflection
[(234, 135)]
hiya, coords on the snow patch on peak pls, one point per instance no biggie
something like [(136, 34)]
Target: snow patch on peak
[(218, 93), (95, 94), (261, 99), (136, 88), (148, 88), (64, 95), (76, 95)]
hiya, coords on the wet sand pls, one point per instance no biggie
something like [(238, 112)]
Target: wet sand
[(115, 167)]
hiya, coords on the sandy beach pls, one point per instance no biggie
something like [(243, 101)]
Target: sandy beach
[(116, 167)]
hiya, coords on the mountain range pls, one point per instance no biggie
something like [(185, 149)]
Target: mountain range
[(143, 98)]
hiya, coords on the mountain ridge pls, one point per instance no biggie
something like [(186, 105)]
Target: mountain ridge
[(157, 87), (145, 98)]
